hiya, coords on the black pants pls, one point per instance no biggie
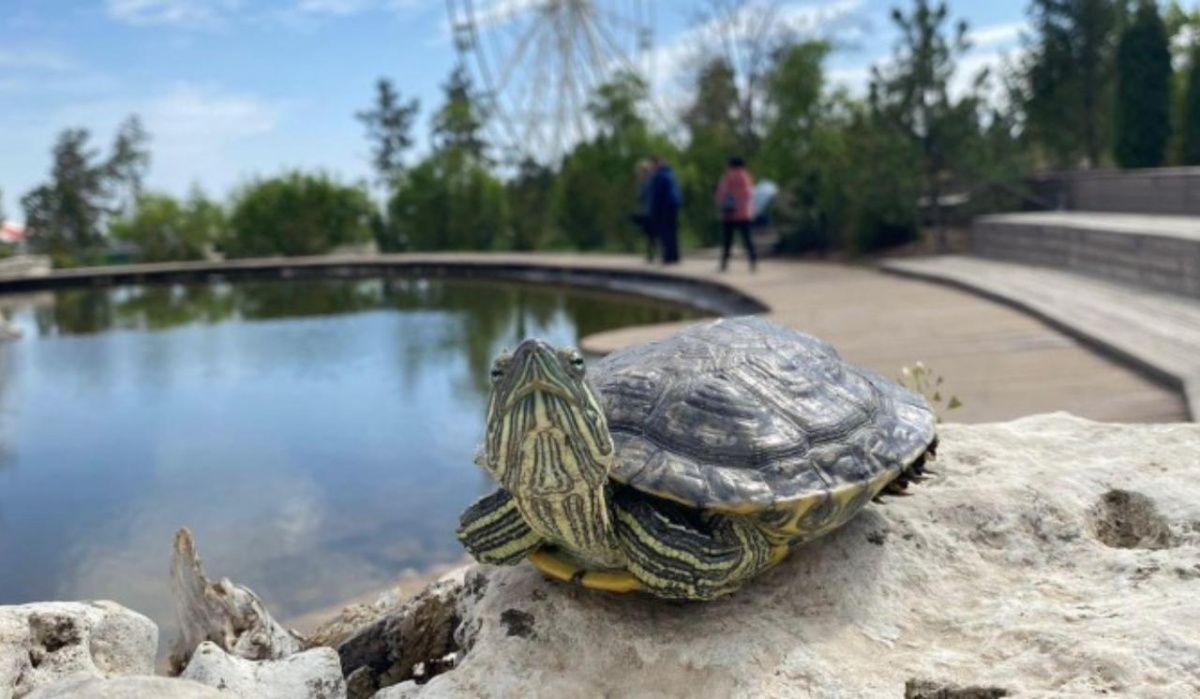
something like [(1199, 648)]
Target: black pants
[(643, 222), (666, 231), (742, 227)]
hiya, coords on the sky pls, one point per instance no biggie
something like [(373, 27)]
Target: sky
[(231, 90)]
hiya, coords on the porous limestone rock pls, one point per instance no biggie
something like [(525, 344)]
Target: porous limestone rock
[(1050, 555), (45, 642), (133, 687), (313, 674)]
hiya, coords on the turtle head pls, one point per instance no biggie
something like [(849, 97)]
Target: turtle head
[(546, 431)]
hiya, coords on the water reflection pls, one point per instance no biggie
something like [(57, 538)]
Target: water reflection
[(316, 435)]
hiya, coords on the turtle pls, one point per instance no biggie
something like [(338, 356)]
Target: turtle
[(687, 466)]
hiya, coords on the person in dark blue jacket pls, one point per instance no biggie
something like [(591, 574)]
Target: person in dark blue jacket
[(665, 201)]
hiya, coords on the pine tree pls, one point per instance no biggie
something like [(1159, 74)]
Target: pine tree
[(458, 125), (1190, 148), (1143, 105), (389, 129), (64, 216), (127, 166), (913, 95), (1068, 77)]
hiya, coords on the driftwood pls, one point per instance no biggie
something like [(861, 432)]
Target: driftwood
[(229, 615)]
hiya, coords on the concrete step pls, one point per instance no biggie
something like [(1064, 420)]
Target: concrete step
[(1161, 253), (1156, 333)]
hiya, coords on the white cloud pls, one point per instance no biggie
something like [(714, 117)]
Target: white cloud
[(996, 34), (197, 117), (208, 14), (35, 59), (335, 8), (199, 130), (501, 11), (185, 13), (40, 71)]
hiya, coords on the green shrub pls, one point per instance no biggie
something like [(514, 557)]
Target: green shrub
[(297, 214)]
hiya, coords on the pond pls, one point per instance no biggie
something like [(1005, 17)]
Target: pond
[(316, 435)]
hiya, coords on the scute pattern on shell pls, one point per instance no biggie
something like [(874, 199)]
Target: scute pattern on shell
[(743, 413)]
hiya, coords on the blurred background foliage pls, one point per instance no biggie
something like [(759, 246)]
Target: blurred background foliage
[(1100, 83)]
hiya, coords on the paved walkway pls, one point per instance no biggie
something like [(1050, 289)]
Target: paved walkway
[(1000, 362), (1158, 332)]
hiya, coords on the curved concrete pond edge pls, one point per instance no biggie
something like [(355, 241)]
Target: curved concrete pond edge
[(702, 295)]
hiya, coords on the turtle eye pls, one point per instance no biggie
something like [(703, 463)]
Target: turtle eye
[(498, 367), (576, 361)]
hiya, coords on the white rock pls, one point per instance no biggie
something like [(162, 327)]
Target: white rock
[(1006, 570), (45, 642), (134, 687), (404, 690), (313, 674)]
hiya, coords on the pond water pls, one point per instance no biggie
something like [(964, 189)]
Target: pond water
[(316, 435)]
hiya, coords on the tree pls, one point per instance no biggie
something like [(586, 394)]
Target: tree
[(64, 216), (1068, 77), (1190, 126), (1183, 33), (130, 160), (881, 179), (795, 86), (163, 229), (297, 214), (389, 129), (1143, 104), (596, 189), (712, 125), (529, 200), (715, 107), (449, 202), (745, 35), (458, 125), (800, 151), (913, 95)]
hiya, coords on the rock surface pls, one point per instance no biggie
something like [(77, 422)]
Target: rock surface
[(1049, 555), (413, 640), (330, 627), (313, 674), (46, 642), (138, 687)]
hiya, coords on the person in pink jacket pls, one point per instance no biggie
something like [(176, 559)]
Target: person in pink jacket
[(735, 195)]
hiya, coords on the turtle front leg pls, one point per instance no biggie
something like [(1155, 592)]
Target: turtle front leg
[(493, 531), (678, 553)]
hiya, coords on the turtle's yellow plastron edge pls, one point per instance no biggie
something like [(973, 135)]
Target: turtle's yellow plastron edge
[(562, 570)]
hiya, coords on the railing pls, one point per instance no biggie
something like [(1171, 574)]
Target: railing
[(1160, 191)]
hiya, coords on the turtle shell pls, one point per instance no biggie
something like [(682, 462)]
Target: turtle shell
[(743, 415)]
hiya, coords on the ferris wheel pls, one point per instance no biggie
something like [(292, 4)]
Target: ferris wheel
[(537, 63)]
